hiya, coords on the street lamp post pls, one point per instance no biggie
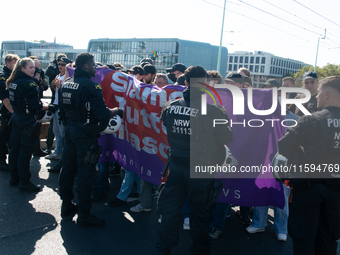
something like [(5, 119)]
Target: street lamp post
[(317, 50), (220, 48)]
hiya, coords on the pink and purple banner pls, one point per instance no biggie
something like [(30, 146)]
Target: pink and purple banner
[(141, 143)]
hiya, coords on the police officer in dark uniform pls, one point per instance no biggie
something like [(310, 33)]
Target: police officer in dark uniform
[(193, 140), (5, 109), (24, 98), (86, 115), (314, 220)]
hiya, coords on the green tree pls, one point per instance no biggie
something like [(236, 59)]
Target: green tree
[(322, 72)]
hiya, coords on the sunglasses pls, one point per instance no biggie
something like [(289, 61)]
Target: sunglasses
[(311, 82), (60, 64)]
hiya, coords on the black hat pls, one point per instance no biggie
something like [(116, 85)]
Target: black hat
[(65, 60), (149, 69), (271, 83), (309, 75), (234, 77), (148, 60), (177, 67), (136, 70)]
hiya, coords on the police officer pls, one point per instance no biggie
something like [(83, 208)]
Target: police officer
[(314, 220), (192, 138), (5, 109), (87, 115), (24, 98)]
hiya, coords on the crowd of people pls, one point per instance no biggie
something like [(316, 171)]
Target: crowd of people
[(311, 210)]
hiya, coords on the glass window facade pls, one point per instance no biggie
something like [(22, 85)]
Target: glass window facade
[(130, 53)]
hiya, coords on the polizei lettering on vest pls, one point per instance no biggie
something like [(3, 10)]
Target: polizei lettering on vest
[(71, 85), (183, 110)]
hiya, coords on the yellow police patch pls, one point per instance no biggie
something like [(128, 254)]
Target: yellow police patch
[(98, 87), (2, 78), (32, 84)]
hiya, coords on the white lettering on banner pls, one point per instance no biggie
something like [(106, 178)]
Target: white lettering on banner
[(135, 119), (137, 115), (150, 145), (237, 194), (123, 83)]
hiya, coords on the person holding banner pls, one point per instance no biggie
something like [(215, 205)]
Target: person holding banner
[(86, 114), (195, 142)]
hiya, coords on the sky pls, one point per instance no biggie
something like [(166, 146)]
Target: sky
[(286, 28)]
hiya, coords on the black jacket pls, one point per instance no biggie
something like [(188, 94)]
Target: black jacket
[(188, 131), (24, 95), (81, 98), (3, 77)]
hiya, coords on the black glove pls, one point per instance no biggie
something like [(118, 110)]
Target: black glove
[(51, 108), (117, 111)]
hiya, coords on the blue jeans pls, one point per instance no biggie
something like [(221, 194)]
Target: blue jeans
[(103, 183), (220, 213), (59, 134), (127, 185), (260, 215)]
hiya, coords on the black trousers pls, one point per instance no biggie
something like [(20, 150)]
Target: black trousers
[(22, 144), (77, 144), (170, 204), (4, 141), (314, 220)]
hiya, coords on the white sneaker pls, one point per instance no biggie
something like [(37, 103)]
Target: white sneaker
[(253, 230), (139, 208), (53, 156), (186, 224), (282, 237)]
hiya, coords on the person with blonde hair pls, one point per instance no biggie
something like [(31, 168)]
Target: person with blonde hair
[(24, 99)]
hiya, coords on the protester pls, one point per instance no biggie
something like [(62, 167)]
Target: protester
[(149, 74), (233, 78), (161, 80), (309, 82), (175, 71), (58, 126)]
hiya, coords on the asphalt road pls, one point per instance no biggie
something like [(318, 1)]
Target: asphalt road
[(31, 224)]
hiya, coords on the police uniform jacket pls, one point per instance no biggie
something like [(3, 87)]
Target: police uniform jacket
[(315, 141), (24, 95), (3, 77), (82, 100), (191, 134)]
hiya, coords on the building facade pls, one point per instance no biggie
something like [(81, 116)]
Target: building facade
[(165, 52), (263, 65), (46, 52)]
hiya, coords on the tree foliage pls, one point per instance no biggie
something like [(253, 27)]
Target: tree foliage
[(322, 72)]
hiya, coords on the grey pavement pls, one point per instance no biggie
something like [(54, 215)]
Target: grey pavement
[(31, 224)]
